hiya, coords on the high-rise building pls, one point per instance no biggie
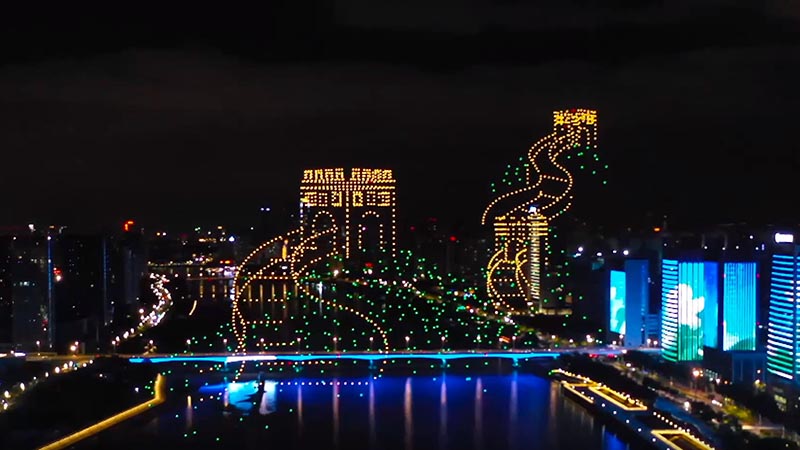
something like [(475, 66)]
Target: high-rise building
[(28, 278), (783, 336), (708, 305), (689, 308), (739, 306), (628, 307)]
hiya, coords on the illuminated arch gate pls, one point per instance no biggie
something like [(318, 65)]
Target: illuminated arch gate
[(536, 193), (339, 216), (362, 205)]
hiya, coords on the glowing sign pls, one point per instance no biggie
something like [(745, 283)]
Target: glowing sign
[(616, 318), (575, 117), (784, 238)]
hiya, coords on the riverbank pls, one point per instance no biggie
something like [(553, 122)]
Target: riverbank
[(635, 421)]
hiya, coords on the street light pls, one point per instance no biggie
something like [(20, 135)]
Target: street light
[(407, 339), (513, 342), (298, 344), (188, 345), (370, 343), (443, 339), (225, 343), (696, 374), (334, 344), (38, 347)]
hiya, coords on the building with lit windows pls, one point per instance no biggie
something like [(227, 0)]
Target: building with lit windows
[(689, 301), (783, 345), (629, 319), (708, 306)]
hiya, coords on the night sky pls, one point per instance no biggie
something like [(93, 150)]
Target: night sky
[(188, 116)]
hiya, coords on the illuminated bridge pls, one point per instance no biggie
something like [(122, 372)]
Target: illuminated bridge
[(352, 356), (514, 356)]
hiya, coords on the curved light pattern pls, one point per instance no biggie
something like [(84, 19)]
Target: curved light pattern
[(155, 315), (353, 311), (304, 260), (538, 192), (330, 205), (288, 267)]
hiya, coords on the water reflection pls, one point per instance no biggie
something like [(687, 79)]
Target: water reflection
[(490, 411), (408, 417), (443, 415), (269, 400), (512, 413), (300, 410), (188, 412), (372, 435), (478, 437), (245, 396), (335, 413)]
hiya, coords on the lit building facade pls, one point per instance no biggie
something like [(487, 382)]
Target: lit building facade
[(783, 345), (629, 321), (689, 312), (360, 204), (739, 306), (527, 200)]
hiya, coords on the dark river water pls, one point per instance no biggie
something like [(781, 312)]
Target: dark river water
[(516, 411)]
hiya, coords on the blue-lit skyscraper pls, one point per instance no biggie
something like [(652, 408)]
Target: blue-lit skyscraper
[(669, 309), (782, 335), (739, 306), (629, 303), (616, 317), (689, 309)]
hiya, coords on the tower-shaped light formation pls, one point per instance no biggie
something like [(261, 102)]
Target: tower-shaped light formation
[(528, 199)]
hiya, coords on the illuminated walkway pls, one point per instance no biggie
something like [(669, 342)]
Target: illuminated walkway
[(353, 356), (649, 425)]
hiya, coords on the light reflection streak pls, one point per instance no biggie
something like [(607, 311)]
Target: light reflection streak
[(299, 410), (478, 440), (372, 433), (407, 416), (335, 412), (443, 415), (513, 411), (188, 413)]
